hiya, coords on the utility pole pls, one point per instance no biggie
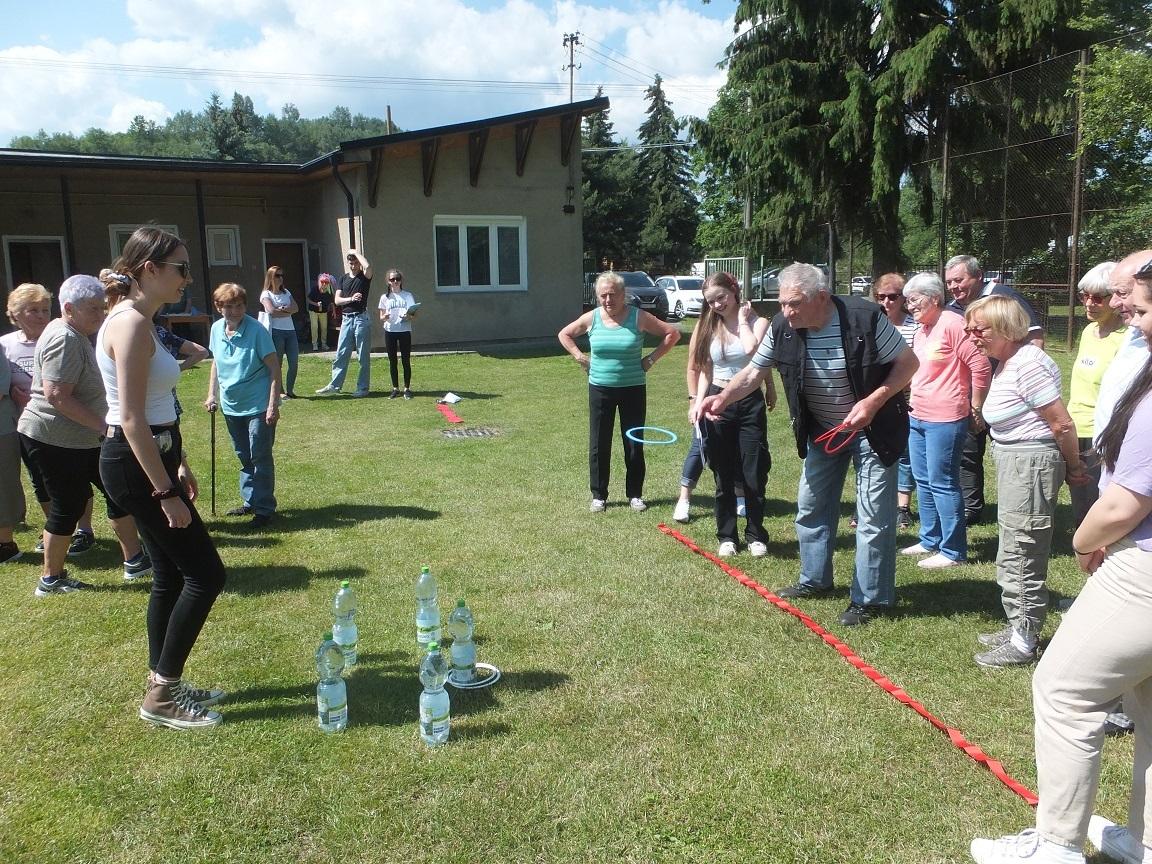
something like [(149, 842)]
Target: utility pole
[(571, 40)]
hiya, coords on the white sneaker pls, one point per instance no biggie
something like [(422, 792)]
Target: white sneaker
[(327, 388), (741, 507), (680, 512), (727, 549), (638, 505), (916, 549), (935, 562), (757, 549), (1027, 846), (1117, 842), (597, 505)]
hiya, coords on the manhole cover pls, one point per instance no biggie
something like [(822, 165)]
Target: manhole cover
[(470, 432)]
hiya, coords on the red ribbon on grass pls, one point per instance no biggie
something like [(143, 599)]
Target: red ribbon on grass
[(954, 735), (449, 414)]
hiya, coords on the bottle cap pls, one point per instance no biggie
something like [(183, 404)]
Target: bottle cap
[(424, 568), (328, 635), (433, 646), (344, 584), (460, 603)]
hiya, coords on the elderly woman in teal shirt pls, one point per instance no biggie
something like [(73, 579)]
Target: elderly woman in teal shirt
[(245, 385), (616, 367)]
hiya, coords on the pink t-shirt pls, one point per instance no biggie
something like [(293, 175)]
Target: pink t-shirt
[(950, 367)]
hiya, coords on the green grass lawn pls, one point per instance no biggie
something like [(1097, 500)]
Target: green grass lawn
[(651, 709)]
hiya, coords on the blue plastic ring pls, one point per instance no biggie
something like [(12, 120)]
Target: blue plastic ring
[(631, 435)]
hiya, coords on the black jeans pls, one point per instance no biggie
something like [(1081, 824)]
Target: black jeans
[(603, 403), (738, 453), (401, 342), (188, 572), (972, 474), (68, 474)]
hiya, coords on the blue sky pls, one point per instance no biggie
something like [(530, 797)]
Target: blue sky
[(279, 51)]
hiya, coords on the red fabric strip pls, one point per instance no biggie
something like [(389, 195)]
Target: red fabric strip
[(449, 414), (954, 735)]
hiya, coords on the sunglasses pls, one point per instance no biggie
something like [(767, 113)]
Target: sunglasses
[(395, 279), (883, 297), (977, 331), (1144, 272), (183, 266)]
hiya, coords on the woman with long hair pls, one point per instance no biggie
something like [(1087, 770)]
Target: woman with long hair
[(736, 444), (319, 308), (141, 465), (397, 309), (279, 306)]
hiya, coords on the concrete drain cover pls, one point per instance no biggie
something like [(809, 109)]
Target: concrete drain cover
[(470, 432)]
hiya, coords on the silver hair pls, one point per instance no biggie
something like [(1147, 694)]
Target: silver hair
[(612, 278), (81, 287), (810, 280), (927, 285), (1098, 280), (971, 265)]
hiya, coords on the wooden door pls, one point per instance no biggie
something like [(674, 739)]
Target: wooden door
[(289, 257)]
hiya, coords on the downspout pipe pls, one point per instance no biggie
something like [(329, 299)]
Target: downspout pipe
[(351, 202)]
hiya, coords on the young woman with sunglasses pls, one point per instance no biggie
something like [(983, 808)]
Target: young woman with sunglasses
[(142, 470), (279, 306), (396, 314)]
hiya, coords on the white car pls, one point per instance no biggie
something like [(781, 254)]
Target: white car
[(685, 295), (861, 284)]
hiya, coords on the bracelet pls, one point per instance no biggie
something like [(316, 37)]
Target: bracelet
[(1078, 552), (170, 492)]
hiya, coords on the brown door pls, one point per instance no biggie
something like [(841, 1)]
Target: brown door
[(289, 257), (35, 261)]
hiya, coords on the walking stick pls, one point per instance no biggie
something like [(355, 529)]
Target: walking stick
[(212, 446)]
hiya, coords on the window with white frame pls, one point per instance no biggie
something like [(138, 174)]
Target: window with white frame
[(118, 235), (223, 245), (480, 253)]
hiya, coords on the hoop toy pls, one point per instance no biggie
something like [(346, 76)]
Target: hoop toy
[(831, 445), (486, 676), (631, 435)]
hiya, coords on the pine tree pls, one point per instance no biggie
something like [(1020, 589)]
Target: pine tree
[(612, 207)]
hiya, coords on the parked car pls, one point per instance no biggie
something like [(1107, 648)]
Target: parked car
[(685, 295), (642, 291), (765, 284), (861, 284)]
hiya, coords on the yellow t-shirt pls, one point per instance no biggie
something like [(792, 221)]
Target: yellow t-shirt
[(1092, 359)]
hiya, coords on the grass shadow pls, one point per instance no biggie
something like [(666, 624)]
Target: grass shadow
[(332, 516), (255, 581), (960, 596)]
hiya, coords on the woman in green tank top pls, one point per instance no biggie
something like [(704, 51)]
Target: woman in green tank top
[(616, 367)]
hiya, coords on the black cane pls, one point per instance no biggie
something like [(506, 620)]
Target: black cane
[(212, 446)]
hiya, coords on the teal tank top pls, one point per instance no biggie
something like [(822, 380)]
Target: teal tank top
[(616, 352)]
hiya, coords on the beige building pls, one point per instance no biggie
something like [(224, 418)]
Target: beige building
[(483, 218)]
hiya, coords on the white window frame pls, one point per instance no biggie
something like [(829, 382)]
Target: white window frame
[(115, 247), (8, 239), (232, 234), (461, 223)]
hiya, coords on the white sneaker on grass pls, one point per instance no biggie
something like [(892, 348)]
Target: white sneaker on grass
[(597, 505), (1117, 842), (935, 562), (916, 549), (680, 511), (757, 549), (1027, 847), (727, 549), (638, 505)]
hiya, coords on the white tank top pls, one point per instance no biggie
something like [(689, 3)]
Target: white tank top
[(728, 357), (163, 375)]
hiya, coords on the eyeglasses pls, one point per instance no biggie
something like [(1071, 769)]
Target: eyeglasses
[(1095, 298), (978, 331), (395, 278), (183, 266), (883, 297)]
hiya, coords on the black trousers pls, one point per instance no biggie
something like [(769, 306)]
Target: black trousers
[(402, 343), (188, 574), (738, 453), (972, 474), (68, 474), (603, 403)]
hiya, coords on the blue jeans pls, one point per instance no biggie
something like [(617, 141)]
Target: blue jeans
[(904, 482), (818, 513), (253, 439), (693, 464), (287, 343), (355, 333), (936, 449)]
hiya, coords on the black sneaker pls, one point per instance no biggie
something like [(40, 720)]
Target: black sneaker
[(240, 511), (139, 566), (82, 541), (62, 584), (856, 615), (903, 517), (9, 552), (801, 590), (395, 394), (407, 393), (260, 520), (1118, 723)]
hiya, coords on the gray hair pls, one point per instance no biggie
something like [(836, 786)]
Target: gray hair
[(612, 278), (1098, 280), (970, 262), (81, 287), (927, 285), (810, 280)]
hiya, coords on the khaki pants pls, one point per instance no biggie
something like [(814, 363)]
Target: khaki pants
[(1102, 651), (1028, 478)]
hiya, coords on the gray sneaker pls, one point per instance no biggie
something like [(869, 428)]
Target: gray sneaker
[(137, 567), (1006, 655), (62, 584), (171, 705), (1117, 842), (995, 640)]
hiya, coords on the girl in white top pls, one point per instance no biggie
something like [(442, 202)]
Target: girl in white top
[(142, 470), (396, 314), (278, 306), (736, 445)]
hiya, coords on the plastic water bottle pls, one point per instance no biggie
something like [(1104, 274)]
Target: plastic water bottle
[(434, 703), (331, 692), (427, 608), (345, 633), (460, 625)]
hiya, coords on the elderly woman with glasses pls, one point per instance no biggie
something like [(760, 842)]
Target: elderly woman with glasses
[(1099, 342), (947, 389), (888, 292), (1035, 450), (278, 306)]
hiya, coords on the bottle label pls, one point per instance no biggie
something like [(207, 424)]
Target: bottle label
[(328, 714), (434, 724), (427, 633)]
